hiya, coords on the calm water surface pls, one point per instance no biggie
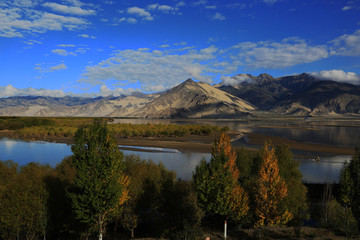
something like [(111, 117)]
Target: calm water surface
[(343, 132), (183, 163)]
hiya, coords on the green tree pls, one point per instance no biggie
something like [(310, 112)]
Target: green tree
[(98, 188), (345, 189), (217, 183), (10, 223), (146, 195), (23, 201), (179, 207), (350, 185), (61, 218), (295, 200)]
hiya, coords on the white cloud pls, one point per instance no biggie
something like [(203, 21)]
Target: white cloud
[(180, 4), (32, 42), (156, 68), (288, 52), (346, 45), (236, 80), (141, 13), (338, 75), (81, 50), (163, 8), (17, 19), (345, 8), (67, 45), (62, 52), (68, 9), (76, 3), (219, 16), (49, 67), (117, 92), (86, 36), (24, 3), (61, 66), (180, 43), (128, 20), (10, 91)]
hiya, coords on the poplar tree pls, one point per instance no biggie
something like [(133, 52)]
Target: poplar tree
[(99, 184), (271, 190), (217, 183)]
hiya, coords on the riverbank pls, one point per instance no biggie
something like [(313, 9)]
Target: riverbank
[(203, 144)]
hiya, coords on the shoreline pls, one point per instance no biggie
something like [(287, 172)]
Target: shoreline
[(203, 144)]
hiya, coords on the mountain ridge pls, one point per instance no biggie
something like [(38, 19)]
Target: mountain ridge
[(241, 96)]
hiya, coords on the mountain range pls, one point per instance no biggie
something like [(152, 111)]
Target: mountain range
[(241, 96)]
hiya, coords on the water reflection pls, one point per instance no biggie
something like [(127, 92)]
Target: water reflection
[(333, 132), (183, 163), (325, 171), (24, 152)]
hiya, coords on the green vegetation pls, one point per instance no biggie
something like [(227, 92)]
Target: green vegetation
[(161, 130), (264, 179), (162, 205), (15, 123), (23, 198), (350, 189), (216, 183), (48, 128), (98, 190), (99, 187)]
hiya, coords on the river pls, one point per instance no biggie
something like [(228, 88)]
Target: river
[(340, 132), (183, 163)]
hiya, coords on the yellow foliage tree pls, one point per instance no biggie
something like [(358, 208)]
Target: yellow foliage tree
[(271, 190)]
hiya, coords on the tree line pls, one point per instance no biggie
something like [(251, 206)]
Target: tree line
[(47, 127), (98, 191)]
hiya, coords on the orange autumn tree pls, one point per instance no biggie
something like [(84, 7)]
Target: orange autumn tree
[(217, 183), (271, 190)]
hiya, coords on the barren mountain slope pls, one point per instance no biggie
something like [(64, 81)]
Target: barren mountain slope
[(195, 100), (323, 98)]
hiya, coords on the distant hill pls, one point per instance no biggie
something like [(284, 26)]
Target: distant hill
[(195, 100), (322, 97), (187, 100), (238, 97), (72, 106), (264, 91), (296, 95)]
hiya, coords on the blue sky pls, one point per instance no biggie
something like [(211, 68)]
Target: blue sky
[(110, 47)]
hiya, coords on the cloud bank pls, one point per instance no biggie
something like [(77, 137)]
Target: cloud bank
[(11, 91), (156, 70), (19, 18), (346, 45), (288, 52), (236, 80), (338, 75)]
